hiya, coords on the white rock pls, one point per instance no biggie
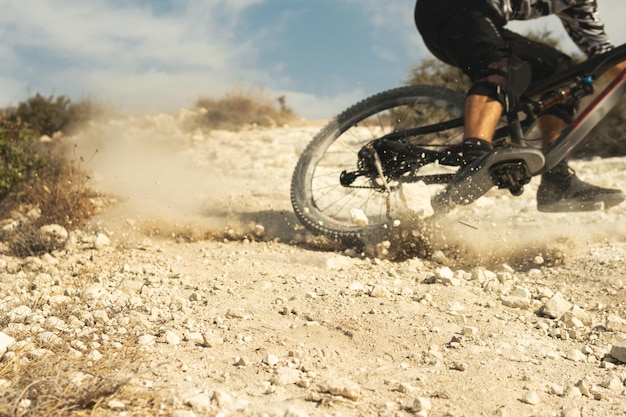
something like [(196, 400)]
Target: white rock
[(94, 355), (520, 298), (618, 351), (342, 387), (116, 405), (222, 398), (422, 404), (146, 340), (286, 376), (571, 412), (557, 306), (101, 240), (195, 337), (19, 314), (576, 355), (54, 234), (612, 382), (615, 324), (379, 292), (48, 338), (270, 359), (171, 338), (530, 397), (200, 403), (6, 342)]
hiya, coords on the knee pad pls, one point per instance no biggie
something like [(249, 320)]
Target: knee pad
[(504, 80)]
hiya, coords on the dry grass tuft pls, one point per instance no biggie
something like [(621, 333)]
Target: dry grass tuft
[(240, 108), (56, 385), (57, 195)]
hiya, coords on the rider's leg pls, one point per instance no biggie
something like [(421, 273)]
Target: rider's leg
[(560, 190), (482, 114)]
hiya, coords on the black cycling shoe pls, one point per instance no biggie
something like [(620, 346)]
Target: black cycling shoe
[(561, 191), (474, 149)]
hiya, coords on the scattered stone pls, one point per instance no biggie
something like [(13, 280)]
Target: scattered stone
[(342, 387), (612, 382), (286, 376), (19, 314), (379, 292), (6, 342), (571, 412), (520, 298), (421, 404), (530, 397), (53, 234), (556, 389), (200, 403), (222, 398), (116, 405), (557, 306), (270, 359), (469, 331), (460, 366), (584, 388), (615, 324), (618, 351), (576, 355), (146, 340), (171, 338), (100, 241)]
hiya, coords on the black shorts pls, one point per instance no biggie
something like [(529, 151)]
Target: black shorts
[(469, 35)]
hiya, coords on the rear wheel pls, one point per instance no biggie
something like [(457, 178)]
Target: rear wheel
[(367, 207)]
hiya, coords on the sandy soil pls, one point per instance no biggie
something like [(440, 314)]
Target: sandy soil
[(249, 315)]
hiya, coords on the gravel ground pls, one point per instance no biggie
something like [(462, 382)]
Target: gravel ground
[(198, 268)]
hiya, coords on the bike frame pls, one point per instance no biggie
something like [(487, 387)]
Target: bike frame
[(580, 127)]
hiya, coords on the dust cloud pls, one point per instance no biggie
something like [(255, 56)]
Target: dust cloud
[(149, 174)]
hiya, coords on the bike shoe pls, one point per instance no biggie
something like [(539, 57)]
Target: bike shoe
[(474, 149), (561, 191)]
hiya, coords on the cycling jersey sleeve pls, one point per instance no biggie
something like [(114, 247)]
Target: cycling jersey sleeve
[(583, 24)]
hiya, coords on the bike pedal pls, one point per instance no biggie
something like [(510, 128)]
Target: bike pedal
[(510, 175)]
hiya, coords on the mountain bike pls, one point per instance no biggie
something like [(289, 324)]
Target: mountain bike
[(351, 181)]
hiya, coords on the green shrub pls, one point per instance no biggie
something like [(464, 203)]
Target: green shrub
[(49, 115), (38, 175), (237, 109), (20, 160)]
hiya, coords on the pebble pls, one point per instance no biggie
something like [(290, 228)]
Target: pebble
[(342, 387), (422, 404), (530, 397), (615, 324), (6, 342), (618, 351), (571, 412), (200, 403), (557, 306)]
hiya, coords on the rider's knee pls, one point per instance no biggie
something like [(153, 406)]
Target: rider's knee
[(504, 80)]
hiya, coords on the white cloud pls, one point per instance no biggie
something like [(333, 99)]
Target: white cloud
[(393, 18), (123, 53)]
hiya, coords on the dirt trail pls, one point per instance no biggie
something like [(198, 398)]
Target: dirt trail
[(269, 324)]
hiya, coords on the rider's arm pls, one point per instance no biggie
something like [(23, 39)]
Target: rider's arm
[(583, 24)]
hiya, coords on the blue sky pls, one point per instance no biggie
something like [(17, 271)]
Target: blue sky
[(161, 55)]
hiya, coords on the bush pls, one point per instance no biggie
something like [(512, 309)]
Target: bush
[(49, 115), (20, 160), (238, 109), (37, 177)]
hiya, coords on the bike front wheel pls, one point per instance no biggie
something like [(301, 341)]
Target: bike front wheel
[(352, 213)]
